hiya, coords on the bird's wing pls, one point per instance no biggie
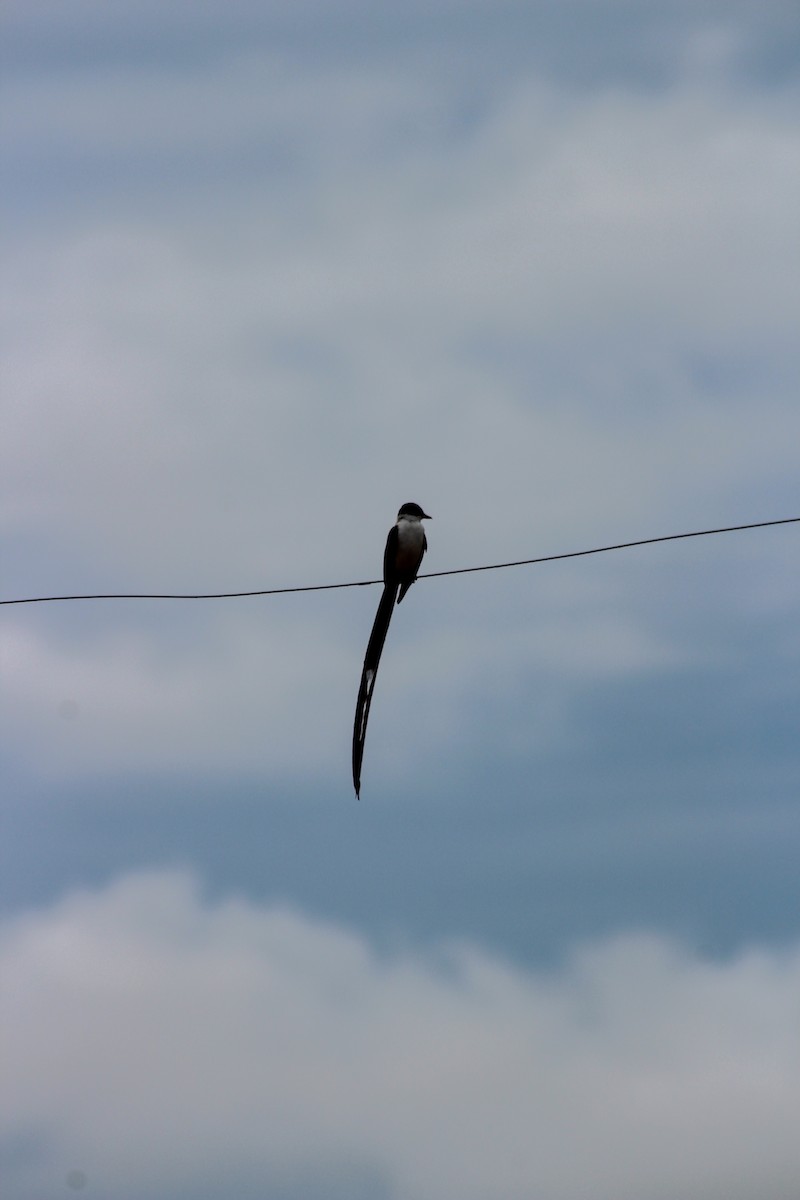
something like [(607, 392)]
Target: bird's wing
[(372, 660), (390, 556)]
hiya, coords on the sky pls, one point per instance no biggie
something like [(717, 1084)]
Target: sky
[(270, 271)]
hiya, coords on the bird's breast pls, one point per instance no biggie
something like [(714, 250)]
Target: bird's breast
[(410, 540)]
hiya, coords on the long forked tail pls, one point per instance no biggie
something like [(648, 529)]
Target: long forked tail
[(372, 658)]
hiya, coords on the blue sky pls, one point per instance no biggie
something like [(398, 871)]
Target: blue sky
[(269, 272)]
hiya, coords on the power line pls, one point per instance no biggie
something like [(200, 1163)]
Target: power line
[(669, 537), (326, 587)]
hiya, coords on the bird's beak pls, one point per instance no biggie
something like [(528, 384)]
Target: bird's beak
[(427, 516)]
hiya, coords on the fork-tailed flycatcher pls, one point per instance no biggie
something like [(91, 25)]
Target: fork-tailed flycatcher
[(405, 547)]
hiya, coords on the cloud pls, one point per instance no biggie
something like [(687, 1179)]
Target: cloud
[(585, 42), (158, 1042), (563, 322), (255, 696), (279, 269), (576, 295)]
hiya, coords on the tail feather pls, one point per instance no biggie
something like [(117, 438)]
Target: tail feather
[(372, 658)]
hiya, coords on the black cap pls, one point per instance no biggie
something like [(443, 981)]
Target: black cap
[(413, 510)]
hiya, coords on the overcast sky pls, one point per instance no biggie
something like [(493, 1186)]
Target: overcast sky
[(269, 271)]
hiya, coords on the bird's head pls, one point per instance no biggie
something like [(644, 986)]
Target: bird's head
[(414, 512)]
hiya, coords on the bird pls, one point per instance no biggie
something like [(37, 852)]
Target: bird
[(405, 547)]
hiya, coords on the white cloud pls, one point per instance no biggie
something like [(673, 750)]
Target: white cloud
[(157, 1041), (270, 687), (255, 694)]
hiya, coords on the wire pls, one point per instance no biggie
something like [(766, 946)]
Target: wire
[(669, 537), (326, 587)]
